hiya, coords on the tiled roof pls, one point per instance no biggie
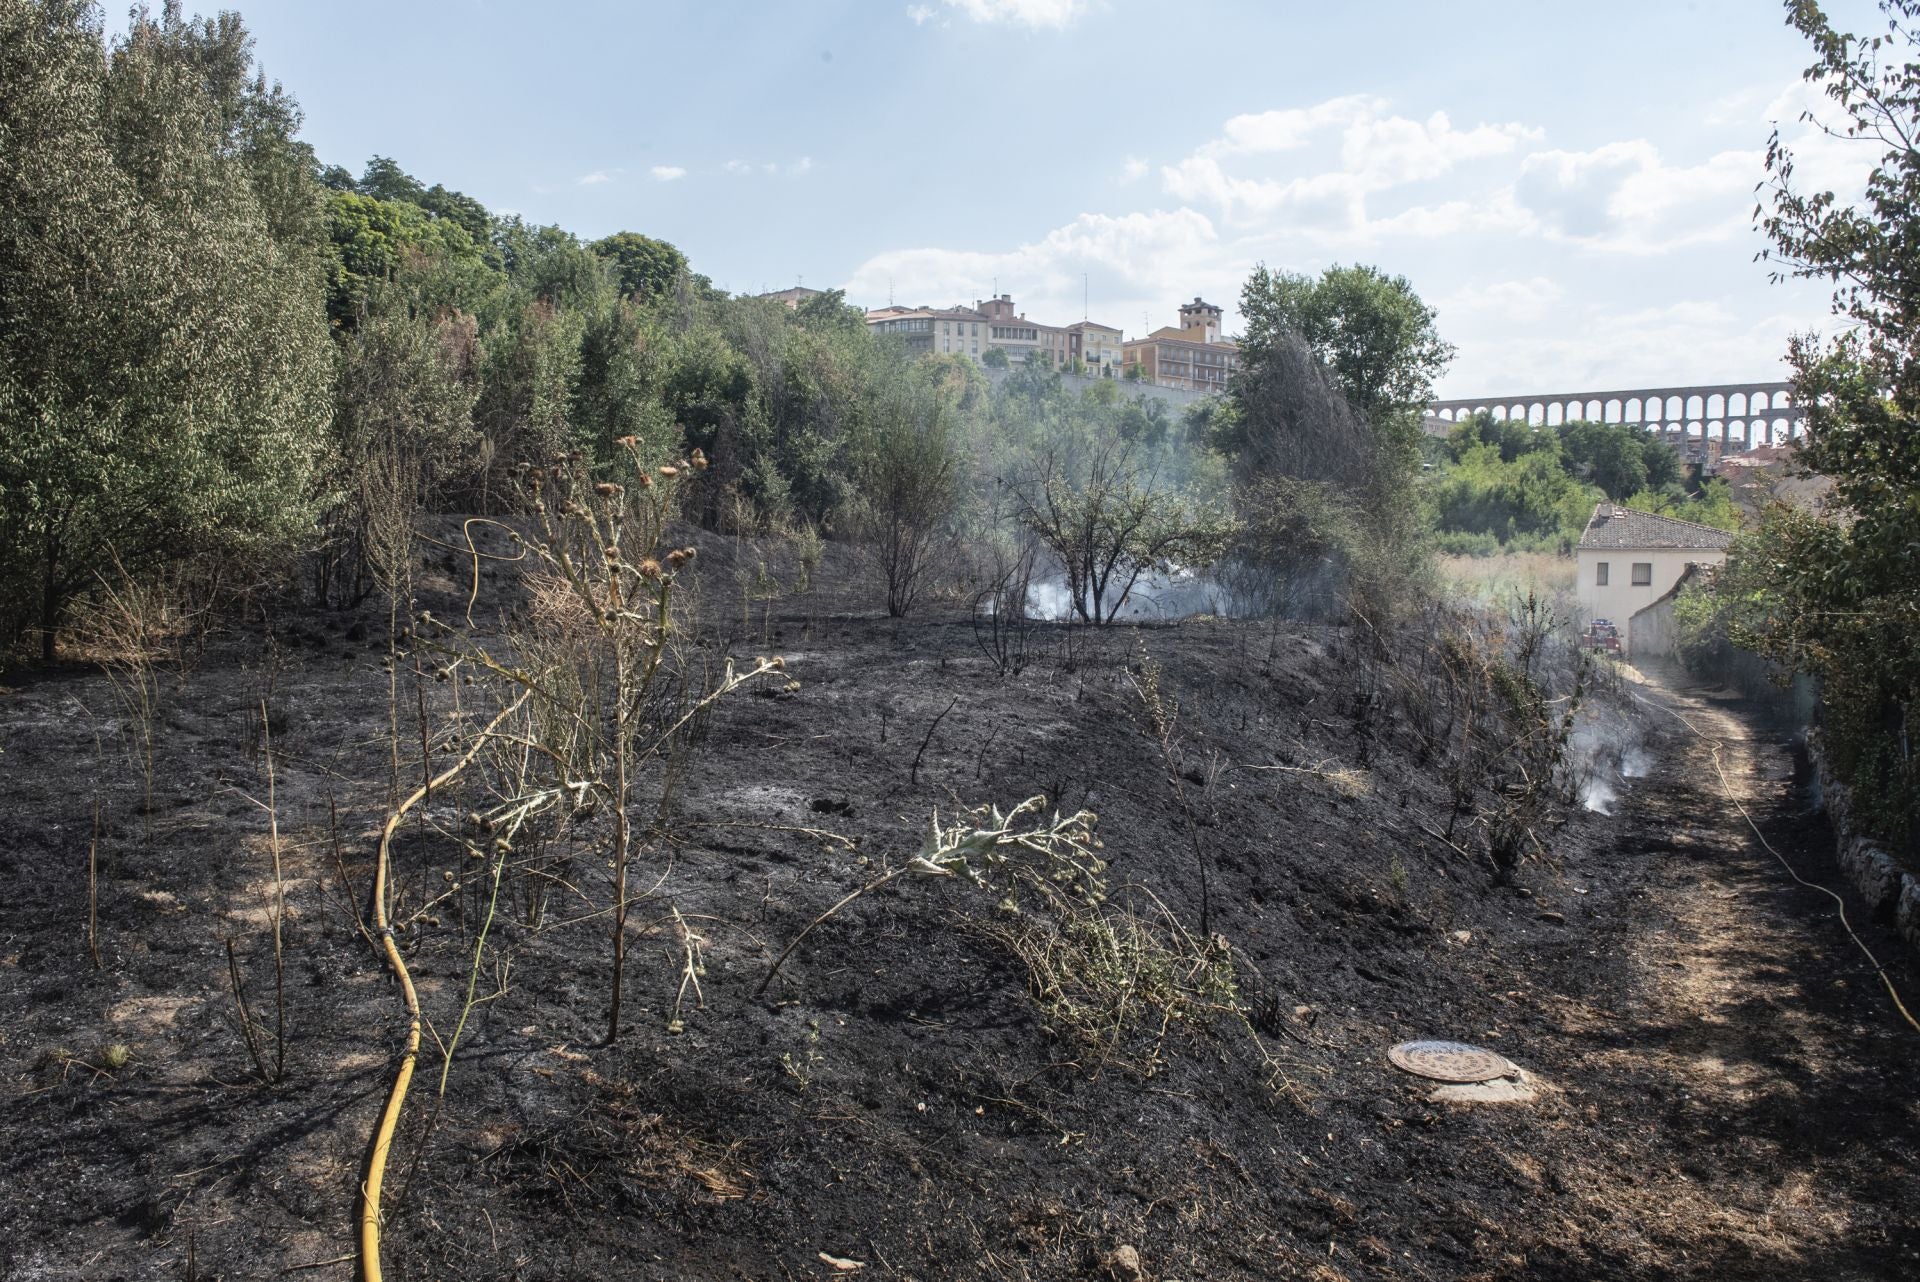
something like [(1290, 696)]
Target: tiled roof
[(1612, 526)]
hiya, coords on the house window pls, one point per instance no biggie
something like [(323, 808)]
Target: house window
[(1642, 574), (1600, 575)]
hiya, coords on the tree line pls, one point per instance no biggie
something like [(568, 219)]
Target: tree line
[(226, 360), (1508, 485)]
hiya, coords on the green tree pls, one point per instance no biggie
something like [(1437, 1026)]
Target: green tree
[(1840, 591), (644, 267), (373, 239), (1111, 512), (908, 466), (1611, 455), (829, 311), (402, 435), (1370, 331), (163, 357)]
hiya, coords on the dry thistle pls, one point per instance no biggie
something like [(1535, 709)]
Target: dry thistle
[(606, 489), (629, 442), (669, 471), (699, 460), (649, 569), (646, 482)]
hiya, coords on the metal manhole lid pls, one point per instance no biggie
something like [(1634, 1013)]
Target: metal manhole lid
[(1450, 1061)]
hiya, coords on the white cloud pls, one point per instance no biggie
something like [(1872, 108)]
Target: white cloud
[(1133, 169), (1055, 14), (667, 173), (801, 166), (1285, 130), (737, 167), (1625, 197), (597, 177), (1323, 190), (920, 14), (1390, 150)]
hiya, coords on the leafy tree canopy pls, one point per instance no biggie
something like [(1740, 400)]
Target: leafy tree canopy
[(1369, 329), (163, 349), (1837, 594), (642, 266)]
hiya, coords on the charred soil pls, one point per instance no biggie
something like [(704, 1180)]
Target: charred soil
[(1724, 1090)]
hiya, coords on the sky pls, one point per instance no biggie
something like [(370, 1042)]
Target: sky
[(1570, 186)]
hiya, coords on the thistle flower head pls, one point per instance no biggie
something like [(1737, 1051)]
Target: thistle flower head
[(669, 471)]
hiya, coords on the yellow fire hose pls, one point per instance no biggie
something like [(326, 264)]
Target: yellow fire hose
[(383, 931)]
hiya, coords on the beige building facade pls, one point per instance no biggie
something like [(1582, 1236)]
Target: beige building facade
[(1100, 349), (971, 331)]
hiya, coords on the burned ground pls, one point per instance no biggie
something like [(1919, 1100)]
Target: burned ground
[(1725, 1091)]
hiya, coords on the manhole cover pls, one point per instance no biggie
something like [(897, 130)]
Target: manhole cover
[(1450, 1061)]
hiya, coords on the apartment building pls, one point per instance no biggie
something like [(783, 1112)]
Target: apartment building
[(925, 330), (970, 331), (1100, 349), (1191, 356)]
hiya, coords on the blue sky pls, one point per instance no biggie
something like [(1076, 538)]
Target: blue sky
[(1570, 185)]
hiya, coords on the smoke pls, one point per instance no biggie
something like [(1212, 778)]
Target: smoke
[(1607, 748), (1599, 796), (1176, 594)]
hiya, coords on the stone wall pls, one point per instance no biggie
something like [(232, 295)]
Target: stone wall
[(1891, 891)]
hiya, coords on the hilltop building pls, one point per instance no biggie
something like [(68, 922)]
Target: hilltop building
[(994, 322), (1100, 349), (1192, 356), (1628, 560), (794, 297), (925, 330)]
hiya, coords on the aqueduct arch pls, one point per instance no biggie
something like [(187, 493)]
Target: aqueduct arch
[(1729, 412)]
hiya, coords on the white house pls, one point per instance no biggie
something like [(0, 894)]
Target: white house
[(1628, 560)]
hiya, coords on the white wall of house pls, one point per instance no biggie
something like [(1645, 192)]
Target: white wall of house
[(1619, 598)]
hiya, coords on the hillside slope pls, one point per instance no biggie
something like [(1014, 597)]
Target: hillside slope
[(1720, 1084)]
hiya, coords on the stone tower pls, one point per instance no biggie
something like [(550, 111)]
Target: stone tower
[(1203, 316)]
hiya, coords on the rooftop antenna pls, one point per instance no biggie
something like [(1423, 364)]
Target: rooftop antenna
[(889, 289), (1083, 296)]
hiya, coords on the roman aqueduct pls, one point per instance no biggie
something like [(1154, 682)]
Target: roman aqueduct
[(1736, 415)]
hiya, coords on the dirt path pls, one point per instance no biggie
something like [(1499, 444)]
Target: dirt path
[(1776, 1077)]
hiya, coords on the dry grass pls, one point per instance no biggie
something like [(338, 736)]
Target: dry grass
[(1488, 578)]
